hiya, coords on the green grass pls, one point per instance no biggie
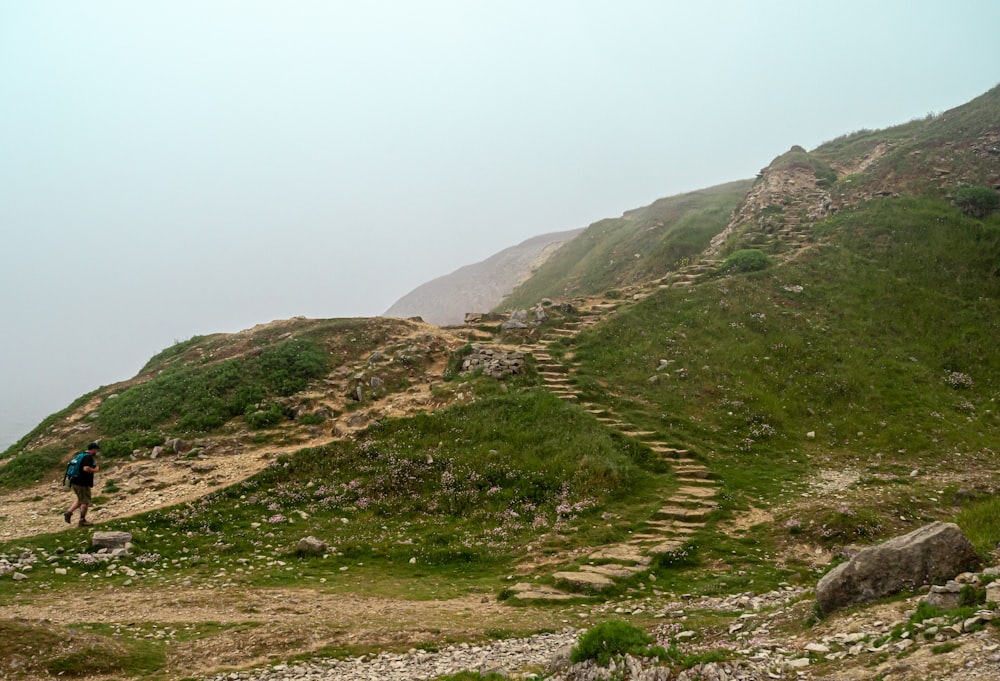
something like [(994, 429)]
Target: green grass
[(980, 523), (645, 245), (74, 652), (797, 157), (460, 492), (202, 398), (464, 485), (913, 153), (30, 467)]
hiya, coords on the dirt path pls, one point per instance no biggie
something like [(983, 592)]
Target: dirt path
[(237, 627)]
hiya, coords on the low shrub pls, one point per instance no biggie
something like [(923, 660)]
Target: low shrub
[(977, 201), (614, 638), (747, 260)]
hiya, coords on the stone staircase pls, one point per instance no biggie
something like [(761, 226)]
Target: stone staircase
[(689, 274), (683, 510)]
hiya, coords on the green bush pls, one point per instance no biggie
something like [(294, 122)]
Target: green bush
[(746, 260), (613, 638), (977, 201), (122, 445), (202, 398), (266, 416)]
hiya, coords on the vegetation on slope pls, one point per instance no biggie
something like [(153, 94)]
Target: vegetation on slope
[(931, 156), (208, 384), (643, 244), (875, 350)]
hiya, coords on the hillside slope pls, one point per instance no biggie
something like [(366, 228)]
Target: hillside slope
[(642, 245), (933, 156), (823, 376)]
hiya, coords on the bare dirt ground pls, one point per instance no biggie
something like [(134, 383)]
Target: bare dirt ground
[(264, 625)]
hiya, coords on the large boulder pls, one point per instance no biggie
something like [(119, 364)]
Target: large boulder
[(933, 553)]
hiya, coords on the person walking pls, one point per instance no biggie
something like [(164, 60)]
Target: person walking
[(82, 485)]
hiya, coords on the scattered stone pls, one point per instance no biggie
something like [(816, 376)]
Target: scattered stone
[(492, 361)]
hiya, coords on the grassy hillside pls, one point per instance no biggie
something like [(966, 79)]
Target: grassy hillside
[(216, 384), (873, 351), (931, 155), (643, 244)]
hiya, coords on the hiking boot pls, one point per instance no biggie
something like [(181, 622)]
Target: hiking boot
[(68, 517), (84, 523)]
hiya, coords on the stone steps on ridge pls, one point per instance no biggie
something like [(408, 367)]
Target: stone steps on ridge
[(682, 513)]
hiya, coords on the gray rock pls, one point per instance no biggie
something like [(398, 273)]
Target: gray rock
[(932, 553), (111, 540), (176, 445), (311, 546), (948, 596)]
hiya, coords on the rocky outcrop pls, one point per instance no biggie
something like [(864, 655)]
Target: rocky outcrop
[(933, 553), (493, 361), (784, 201)]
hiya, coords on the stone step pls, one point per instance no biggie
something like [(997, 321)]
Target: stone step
[(622, 554), (614, 571), (664, 449), (692, 492), (691, 471), (677, 512), (590, 581), (669, 528), (525, 591), (685, 480), (556, 381), (668, 546), (551, 365)]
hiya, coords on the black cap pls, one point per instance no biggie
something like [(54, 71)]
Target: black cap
[(93, 445)]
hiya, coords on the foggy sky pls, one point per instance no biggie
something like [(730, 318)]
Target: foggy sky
[(169, 169)]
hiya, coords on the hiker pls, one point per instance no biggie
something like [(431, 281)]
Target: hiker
[(82, 484)]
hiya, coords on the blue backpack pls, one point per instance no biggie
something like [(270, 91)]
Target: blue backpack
[(74, 468)]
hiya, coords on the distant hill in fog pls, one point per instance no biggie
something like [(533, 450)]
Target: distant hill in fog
[(479, 287)]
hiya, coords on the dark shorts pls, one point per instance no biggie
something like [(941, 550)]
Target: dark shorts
[(82, 493)]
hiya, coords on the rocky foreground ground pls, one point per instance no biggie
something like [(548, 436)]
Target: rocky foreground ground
[(850, 647), (761, 636)]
